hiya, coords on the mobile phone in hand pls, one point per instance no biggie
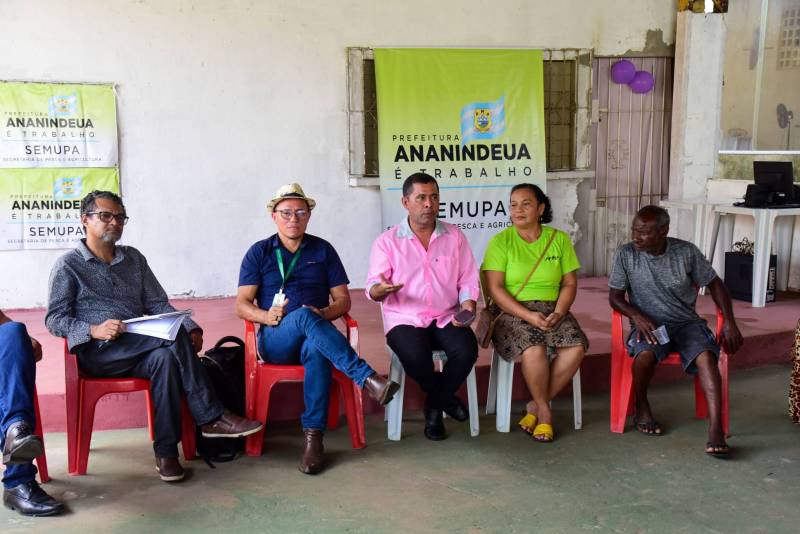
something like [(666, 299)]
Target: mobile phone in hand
[(465, 316)]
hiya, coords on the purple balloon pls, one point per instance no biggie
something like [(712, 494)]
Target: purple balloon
[(623, 71), (642, 82)]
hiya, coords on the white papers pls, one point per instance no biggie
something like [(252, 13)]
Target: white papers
[(162, 326)]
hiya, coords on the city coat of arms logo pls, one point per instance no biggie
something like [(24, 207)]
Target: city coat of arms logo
[(483, 120), (68, 187), (63, 105)]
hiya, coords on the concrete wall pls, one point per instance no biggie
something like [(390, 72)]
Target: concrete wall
[(221, 102), (696, 100)]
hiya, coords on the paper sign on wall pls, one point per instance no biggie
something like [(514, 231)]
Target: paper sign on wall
[(57, 125), (40, 208)]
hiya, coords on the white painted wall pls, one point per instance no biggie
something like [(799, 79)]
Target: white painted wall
[(696, 103), (220, 102)]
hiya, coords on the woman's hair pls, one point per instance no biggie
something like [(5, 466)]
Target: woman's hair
[(541, 198)]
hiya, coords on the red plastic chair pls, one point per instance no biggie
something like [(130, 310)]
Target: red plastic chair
[(82, 394), (41, 461), (622, 378), (260, 378)]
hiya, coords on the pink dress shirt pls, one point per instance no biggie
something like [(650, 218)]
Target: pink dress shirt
[(436, 280)]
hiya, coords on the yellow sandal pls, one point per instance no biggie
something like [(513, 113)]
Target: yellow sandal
[(528, 423), (543, 433)]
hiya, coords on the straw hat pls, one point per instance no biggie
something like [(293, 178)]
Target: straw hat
[(290, 191)]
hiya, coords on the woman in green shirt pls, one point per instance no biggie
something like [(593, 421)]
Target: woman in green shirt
[(537, 321)]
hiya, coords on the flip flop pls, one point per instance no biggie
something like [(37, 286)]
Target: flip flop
[(543, 433), (650, 428), (528, 423), (718, 450)]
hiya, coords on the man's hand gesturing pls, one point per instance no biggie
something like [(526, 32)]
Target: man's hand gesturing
[(383, 288)]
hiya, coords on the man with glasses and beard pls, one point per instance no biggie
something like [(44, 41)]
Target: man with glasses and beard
[(97, 286), (294, 285)]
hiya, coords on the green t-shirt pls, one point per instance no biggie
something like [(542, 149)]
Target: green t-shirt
[(510, 254)]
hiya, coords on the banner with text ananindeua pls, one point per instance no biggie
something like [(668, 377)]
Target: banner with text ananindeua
[(40, 208), (57, 125), (472, 119)]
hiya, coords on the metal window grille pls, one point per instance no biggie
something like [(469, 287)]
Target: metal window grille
[(789, 38), (559, 114), (370, 119)]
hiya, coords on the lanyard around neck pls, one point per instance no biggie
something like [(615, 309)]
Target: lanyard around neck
[(285, 275)]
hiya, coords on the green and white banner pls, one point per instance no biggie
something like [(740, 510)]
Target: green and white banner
[(57, 125), (472, 119), (40, 208)]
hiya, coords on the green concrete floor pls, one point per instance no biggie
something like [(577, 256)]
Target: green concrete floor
[(588, 480)]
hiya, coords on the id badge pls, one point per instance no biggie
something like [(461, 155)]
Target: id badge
[(279, 298)]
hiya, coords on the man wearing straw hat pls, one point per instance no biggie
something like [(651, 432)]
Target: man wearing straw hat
[(294, 285)]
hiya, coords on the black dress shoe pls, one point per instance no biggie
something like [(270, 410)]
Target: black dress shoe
[(21, 445), (29, 499), (457, 410), (434, 425)]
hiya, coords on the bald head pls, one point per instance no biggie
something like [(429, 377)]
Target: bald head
[(654, 214), (649, 229)]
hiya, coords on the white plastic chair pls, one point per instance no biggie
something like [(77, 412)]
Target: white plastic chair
[(394, 410), (498, 399)]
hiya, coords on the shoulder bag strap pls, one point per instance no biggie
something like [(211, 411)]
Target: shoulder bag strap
[(535, 265)]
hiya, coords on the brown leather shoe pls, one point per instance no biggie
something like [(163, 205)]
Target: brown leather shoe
[(380, 389), (169, 469), (230, 425), (21, 444), (313, 451)]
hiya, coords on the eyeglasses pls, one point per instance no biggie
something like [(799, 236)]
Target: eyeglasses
[(106, 216), (286, 215)]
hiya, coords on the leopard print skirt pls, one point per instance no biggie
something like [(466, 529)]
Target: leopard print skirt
[(794, 383), (512, 335)]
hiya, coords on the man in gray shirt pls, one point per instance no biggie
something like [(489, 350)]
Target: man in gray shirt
[(96, 286), (661, 275)]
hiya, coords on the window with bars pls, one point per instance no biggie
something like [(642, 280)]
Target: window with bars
[(560, 107), (789, 39), (559, 114), (370, 119)]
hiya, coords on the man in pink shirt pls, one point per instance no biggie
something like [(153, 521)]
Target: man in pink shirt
[(423, 272)]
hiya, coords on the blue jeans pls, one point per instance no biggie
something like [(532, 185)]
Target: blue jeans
[(17, 379), (303, 337)]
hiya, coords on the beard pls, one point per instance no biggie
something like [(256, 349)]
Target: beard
[(111, 236)]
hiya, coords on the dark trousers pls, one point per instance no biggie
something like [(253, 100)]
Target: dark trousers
[(172, 367), (414, 346), (17, 379)]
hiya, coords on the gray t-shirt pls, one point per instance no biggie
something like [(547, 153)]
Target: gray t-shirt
[(663, 287)]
